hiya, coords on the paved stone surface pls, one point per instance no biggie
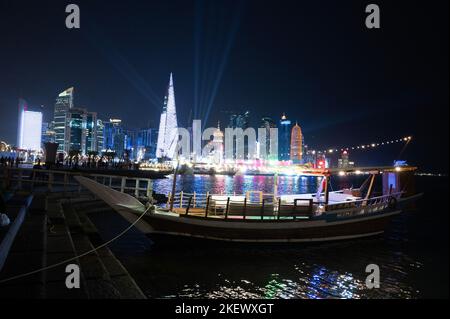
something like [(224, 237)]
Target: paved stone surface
[(58, 290), (19, 263), (102, 289), (59, 244), (113, 266), (58, 273), (128, 288), (93, 268), (54, 232)]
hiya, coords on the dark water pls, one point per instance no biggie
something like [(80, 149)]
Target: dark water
[(412, 254)]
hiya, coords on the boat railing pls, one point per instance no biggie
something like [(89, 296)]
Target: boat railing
[(199, 200), (239, 206), (363, 206)]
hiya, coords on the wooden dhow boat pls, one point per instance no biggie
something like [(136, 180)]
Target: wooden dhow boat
[(323, 216)]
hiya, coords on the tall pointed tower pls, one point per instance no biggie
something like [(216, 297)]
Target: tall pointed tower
[(168, 126), (296, 144)]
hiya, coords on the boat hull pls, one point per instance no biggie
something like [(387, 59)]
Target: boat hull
[(316, 230)]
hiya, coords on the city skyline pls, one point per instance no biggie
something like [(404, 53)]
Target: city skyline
[(132, 138), (268, 69)]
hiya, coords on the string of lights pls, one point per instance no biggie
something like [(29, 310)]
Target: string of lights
[(405, 139)]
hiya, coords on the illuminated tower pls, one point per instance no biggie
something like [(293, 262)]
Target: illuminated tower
[(296, 144), (75, 130), (23, 106), (29, 131), (168, 126), (64, 102), (284, 139), (218, 145)]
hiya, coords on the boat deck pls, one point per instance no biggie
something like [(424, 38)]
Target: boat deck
[(200, 212), (291, 207)]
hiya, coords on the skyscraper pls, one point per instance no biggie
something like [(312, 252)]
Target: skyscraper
[(241, 121), (114, 138), (119, 143), (29, 132), (76, 130), (21, 108), (146, 140), (64, 102), (284, 139), (267, 124), (130, 142), (296, 144), (100, 135), (168, 126), (217, 144), (344, 161), (91, 132), (48, 135)]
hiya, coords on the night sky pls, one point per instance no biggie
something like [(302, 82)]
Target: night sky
[(314, 60)]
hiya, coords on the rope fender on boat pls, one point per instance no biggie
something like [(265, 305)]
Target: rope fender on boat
[(392, 203)]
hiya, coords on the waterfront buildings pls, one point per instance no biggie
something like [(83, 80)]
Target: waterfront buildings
[(79, 130), (168, 126), (64, 102), (75, 129), (296, 145), (344, 162), (29, 128), (284, 139)]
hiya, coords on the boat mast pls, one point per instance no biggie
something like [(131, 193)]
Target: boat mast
[(370, 190), (175, 173), (327, 190), (275, 186)]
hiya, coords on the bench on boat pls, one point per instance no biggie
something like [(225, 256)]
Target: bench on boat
[(251, 209), (301, 208), (240, 208)]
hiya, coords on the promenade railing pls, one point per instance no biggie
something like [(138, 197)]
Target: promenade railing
[(63, 181)]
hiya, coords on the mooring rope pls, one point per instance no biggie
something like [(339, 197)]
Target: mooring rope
[(79, 256)]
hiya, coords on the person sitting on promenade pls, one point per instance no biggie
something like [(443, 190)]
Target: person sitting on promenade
[(4, 220)]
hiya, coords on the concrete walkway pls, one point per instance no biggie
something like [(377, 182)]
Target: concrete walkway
[(56, 228)]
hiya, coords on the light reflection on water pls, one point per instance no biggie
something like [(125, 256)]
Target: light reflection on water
[(238, 184), (328, 270), (269, 273)]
